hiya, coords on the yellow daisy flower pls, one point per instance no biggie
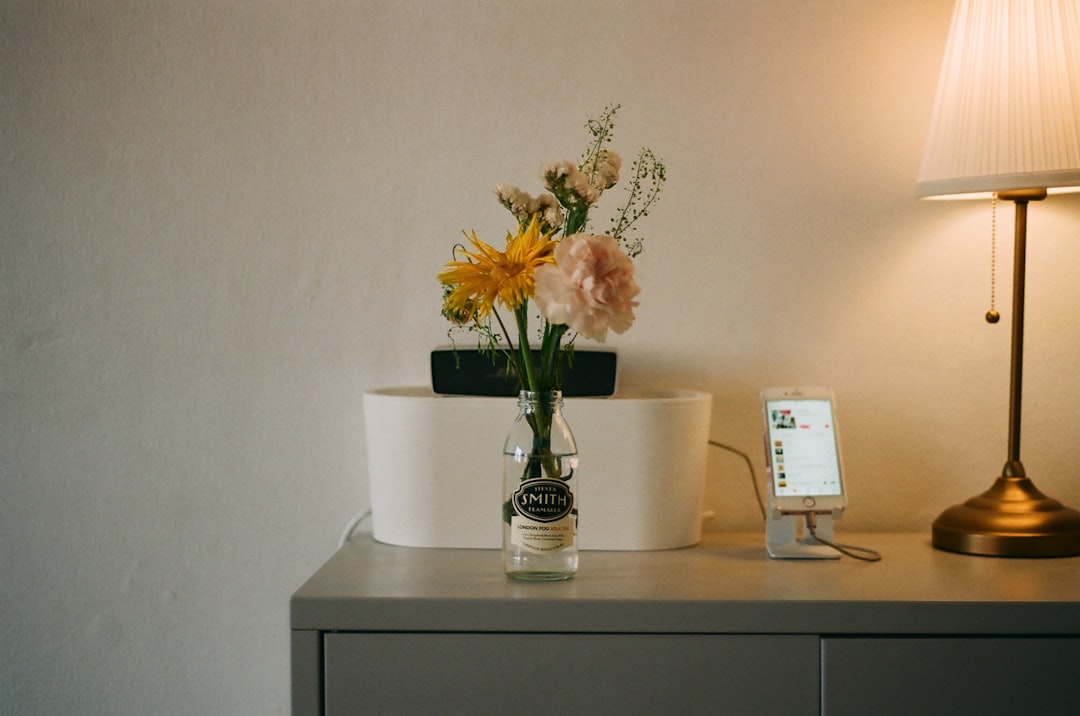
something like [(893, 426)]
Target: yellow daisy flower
[(487, 275)]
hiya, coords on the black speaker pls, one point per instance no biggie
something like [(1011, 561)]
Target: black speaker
[(468, 371)]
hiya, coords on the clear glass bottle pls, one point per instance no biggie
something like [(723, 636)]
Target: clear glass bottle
[(540, 491)]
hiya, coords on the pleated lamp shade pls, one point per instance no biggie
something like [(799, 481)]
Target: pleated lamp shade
[(1007, 112)]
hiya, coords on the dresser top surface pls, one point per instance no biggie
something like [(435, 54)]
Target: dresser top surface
[(725, 583)]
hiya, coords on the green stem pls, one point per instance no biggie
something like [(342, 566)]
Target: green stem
[(549, 355), (509, 344), (575, 220), (529, 374)]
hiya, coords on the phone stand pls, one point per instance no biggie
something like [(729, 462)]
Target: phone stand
[(786, 535)]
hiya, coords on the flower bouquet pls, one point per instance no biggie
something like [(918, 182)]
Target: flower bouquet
[(583, 285)]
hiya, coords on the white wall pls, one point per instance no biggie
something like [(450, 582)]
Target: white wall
[(220, 223)]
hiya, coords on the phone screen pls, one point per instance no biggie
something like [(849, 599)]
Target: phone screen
[(802, 442)]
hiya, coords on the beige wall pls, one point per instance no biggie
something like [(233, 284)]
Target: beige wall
[(220, 222)]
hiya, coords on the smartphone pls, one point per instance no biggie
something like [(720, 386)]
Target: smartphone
[(802, 450)]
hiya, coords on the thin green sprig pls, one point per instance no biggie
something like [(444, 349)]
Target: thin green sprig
[(649, 175), (603, 131)]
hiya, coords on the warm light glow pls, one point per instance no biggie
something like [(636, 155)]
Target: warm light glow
[(1007, 112)]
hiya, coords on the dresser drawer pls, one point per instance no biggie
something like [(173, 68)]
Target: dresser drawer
[(570, 673), (950, 675)]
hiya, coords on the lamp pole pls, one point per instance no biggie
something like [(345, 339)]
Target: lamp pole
[(1016, 367)]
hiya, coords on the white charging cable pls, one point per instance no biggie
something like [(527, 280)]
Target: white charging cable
[(351, 527)]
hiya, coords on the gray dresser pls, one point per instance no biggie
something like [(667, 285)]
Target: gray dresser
[(718, 628)]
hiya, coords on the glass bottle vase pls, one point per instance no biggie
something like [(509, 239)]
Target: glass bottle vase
[(540, 491)]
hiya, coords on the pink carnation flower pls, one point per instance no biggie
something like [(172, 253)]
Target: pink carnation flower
[(591, 288)]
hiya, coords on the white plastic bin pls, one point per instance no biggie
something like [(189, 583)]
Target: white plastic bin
[(435, 468)]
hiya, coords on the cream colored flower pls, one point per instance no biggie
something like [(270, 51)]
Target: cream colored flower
[(590, 288), (547, 206), (606, 174), (570, 184), (524, 205)]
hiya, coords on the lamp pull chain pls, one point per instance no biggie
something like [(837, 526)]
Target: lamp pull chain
[(992, 316)]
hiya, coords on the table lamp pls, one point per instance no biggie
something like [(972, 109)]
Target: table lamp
[(1006, 123)]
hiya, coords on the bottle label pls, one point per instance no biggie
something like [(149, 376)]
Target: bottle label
[(544, 520), (543, 499), (541, 537)]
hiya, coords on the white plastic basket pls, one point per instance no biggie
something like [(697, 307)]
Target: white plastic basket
[(435, 468)]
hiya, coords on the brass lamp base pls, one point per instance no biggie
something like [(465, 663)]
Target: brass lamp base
[(1011, 519)]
